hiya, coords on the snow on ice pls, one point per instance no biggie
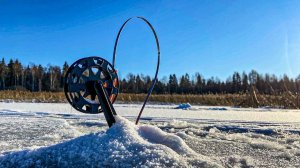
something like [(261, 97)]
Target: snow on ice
[(123, 145), (55, 135)]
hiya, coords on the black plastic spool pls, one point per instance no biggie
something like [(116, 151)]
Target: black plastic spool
[(81, 78)]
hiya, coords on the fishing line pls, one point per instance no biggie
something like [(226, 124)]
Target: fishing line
[(158, 60)]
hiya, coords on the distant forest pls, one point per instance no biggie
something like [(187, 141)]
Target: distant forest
[(16, 76)]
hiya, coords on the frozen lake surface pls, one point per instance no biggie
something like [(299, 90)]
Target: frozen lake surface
[(46, 134)]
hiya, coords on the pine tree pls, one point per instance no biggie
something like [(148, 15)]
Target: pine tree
[(131, 87), (139, 84), (3, 73), (33, 70), (173, 84), (17, 68), (245, 84), (236, 82), (200, 83), (11, 76), (185, 83), (64, 72), (40, 74), (65, 68), (147, 83)]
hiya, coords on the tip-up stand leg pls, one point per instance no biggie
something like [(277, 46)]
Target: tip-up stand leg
[(105, 103)]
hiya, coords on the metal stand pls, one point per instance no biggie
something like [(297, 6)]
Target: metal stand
[(105, 103)]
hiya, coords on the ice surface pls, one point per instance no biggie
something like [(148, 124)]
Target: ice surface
[(57, 135), (166, 111)]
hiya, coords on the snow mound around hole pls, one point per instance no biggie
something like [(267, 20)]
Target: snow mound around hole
[(123, 145)]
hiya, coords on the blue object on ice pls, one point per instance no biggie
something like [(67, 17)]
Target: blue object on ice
[(184, 106)]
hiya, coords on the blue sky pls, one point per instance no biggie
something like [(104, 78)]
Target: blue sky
[(214, 38)]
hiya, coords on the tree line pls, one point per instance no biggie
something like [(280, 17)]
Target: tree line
[(16, 76)]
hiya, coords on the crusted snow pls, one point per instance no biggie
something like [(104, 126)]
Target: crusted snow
[(55, 135), (123, 145)]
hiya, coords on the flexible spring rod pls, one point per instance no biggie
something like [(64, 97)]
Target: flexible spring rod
[(158, 60)]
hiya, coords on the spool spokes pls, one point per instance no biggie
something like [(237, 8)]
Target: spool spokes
[(81, 78)]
